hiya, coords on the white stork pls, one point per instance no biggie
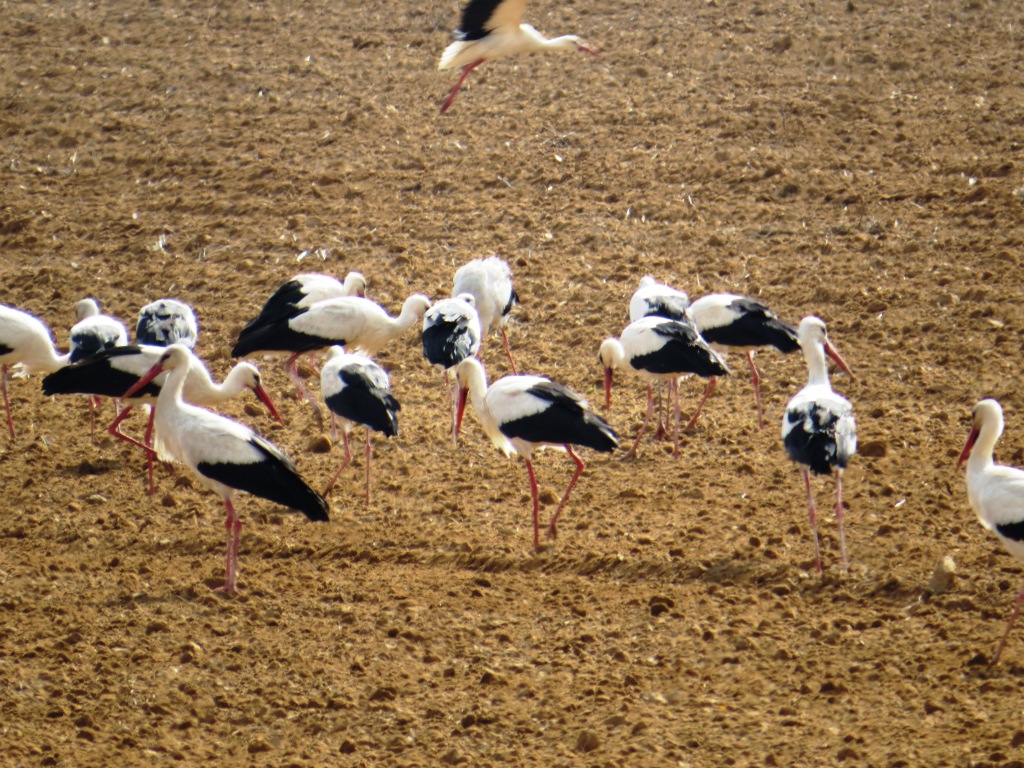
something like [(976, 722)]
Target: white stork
[(357, 391), (165, 322), (660, 350), (111, 372), (356, 323), (730, 322), (491, 29), (818, 430), (451, 333), (26, 341), (995, 492), (522, 414), (305, 290), (224, 455), (489, 282), (94, 331)]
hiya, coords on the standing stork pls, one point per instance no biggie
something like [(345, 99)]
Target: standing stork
[(489, 282), (660, 350), (307, 289), (658, 300), (224, 455), (94, 331), (165, 322), (26, 341), (522, 414), (451, 333), (111, 372), (818, 430), (491, 29), (358, 391), (353, 322), (995, 492)]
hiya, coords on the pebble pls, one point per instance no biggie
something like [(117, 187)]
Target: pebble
[(587, 741), (942, 577), (319, 444)]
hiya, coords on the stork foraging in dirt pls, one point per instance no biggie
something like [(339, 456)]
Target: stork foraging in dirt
[(659, 350), (304, 291), (730, 322), (26, 341), (492, 29), (94, 331), (489, 282), (358, 391), (522, 414), (165, 322), (224, 455), (818, 430), (995, 492), (451, 333)]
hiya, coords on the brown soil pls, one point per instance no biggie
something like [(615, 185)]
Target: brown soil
[(852, 160)]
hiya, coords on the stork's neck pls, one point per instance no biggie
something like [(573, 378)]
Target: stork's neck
[(233, 385), (477, 385), (817, 368), (985, 445), (613, 354), (170, 392)]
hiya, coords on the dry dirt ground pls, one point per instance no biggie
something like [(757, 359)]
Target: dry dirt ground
[(849, 159)]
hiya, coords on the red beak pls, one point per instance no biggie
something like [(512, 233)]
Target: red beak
[(608, 374), (831, 352), (462, 410), (151, 374), (971, 438), (592, 51), (264, 396)]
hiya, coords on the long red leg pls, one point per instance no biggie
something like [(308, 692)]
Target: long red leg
[(451, 96), (647, 418), (553, 528), (233, 526), (344, 462), (292, 366), (839, 519), (1013, 617), (673, 389), (756, 378), (535, 493), (452, 389), (661, 432), (7, 403), (812, 515), (150, 452), (508, 351), (707, 393), (116, 432), (368, 451)]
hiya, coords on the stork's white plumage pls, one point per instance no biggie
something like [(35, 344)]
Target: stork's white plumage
[(451, 333), (995, 492), (818, 430), (165, 322), (656, 299), (357, 391), (489, 282), (736, 323), (26, 341), (224, 455), (112, 372), (356, 323), (94, 331), (305, 290), (522, 414), (660, 350), (492, 29)]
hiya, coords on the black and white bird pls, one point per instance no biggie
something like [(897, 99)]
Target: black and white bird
[(523, 414), (451, 333), (357, 391), (165, 322), (659, 300), (304, 290), (818, 430), (224, 455), (112, 372), (660, 350), (492, 29), (995, 492), (94, 331), (25, 341), (356, 323), (736, 323), (489, 282)]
